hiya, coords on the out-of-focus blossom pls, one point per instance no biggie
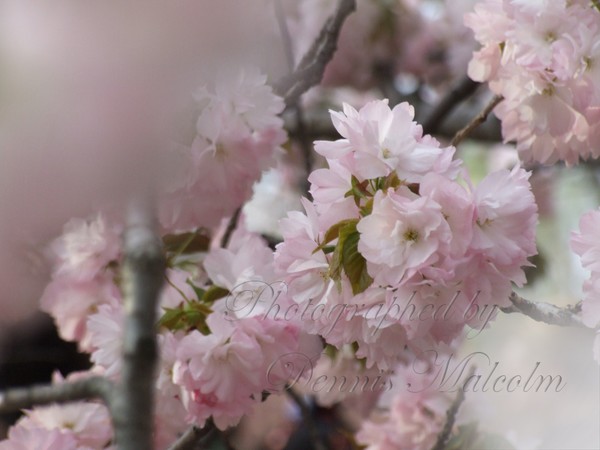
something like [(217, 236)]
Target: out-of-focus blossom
[(542, 57), (237, 135), (415, 417), (586, 244)]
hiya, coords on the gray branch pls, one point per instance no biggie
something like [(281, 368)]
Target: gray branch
[(545, 312), (143, 273), (310, 70), (477, 120), (460, 92), (86, 389), (193, 437), (444, 435)]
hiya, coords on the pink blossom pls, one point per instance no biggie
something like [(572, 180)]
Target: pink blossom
[(506, 218), (402, 235), (89, 423), (105, 329), (306, 270), (237, 134), (224, 373), (539, 57), (85, 248), (71, 303), (379, 140), (20, 438), (416, 415)]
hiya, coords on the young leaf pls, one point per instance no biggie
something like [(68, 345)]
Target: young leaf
[(213, 294), (332, 233), (355, 265)]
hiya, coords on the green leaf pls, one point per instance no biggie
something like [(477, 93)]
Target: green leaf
[(330, 351), (358, 190), (347, 258), (332, 233), (171, 319), (367, 208), (213, 294), (355, 264), (186, 243), (187, 316), (197, 290), (391, 181)]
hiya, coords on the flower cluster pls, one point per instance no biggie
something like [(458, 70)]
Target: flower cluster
[(82, 278), (219, 353), (544, 59), (72, 426), (224, 369), (586, 244), (235, 136), (393, 235)]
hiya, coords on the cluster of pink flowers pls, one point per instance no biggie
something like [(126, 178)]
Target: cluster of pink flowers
[(235, 136), (544, 59), (393, 235), (223, 371), (72, 426), (82, 279), (586, 243), (220, 352)]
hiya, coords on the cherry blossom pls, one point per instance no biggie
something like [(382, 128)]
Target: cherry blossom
[(236, 135), (540, 57), (396, 225)]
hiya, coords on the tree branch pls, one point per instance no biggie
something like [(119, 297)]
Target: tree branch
[(191, 439), (143, 271), (444, 435), (310, 70), (86, 389), (477, 120), (313, 430), (231, 226), (545, 312), (460, 92), (318, 124)]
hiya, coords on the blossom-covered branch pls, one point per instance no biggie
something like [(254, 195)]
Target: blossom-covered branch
[(86, 389), (544, 312), (142, 281), (310, 70)]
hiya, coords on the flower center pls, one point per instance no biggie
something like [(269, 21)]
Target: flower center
[(411, 235)]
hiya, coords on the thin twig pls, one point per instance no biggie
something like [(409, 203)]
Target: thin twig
[(444, 435), (460, 92), (286, 38), (310, 70), (477, 120), (72, 391), (231, 226), (544, 312), (143, 275), (191, 439), (313, 430), (300, 126)]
